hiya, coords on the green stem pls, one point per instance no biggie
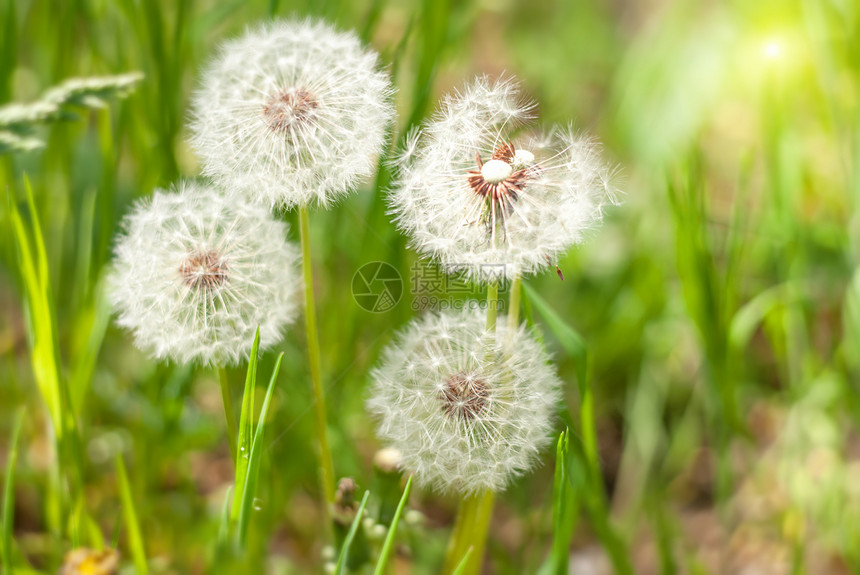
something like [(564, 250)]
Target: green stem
[(470, 532), (492, 305), (326, 465), (229, 414), (514, 306), (474, 513)]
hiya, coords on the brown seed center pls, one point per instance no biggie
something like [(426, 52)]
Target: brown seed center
[(464, 396), (500, 195), (288, 108), (204, 270)]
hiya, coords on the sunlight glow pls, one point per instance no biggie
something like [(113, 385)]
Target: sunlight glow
[(772, 49)]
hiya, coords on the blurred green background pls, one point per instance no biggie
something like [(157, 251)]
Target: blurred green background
[(720, 303)]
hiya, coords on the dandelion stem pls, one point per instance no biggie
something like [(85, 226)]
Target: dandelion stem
[(474, 513), (492, 305), (514, 306), (470, 532), (326, 466), (229, 415)]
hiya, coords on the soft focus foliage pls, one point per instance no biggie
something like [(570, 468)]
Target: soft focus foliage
[(720, 303)]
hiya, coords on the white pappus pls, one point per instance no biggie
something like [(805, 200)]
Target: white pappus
[(483, 196), (194, 273), (292, 113), (466, 409)]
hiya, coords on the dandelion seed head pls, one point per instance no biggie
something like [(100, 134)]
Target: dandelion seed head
[(475, 191), (292, 113), (476, 408), (195, 273)]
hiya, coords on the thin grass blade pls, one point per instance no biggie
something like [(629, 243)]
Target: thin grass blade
[(461, 568), (246, 429), (34, 273), (564, 512), (9, 495), (135, 539), (347, 542), (392, 530), (256, 454), (594, 496), (224, 525)]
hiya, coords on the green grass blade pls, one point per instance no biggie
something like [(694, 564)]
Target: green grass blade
[(392, 530), (33, 266), (595, 497), (575, 345), (9, 494), (461, 568), (256, 454), (135, 539), (347, 542), (224, 526), (569, 338), (246, 429), (564, 512)]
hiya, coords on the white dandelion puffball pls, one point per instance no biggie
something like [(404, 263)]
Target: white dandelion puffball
[(195, 273), (466, 410), (481, 197), (293, 113)]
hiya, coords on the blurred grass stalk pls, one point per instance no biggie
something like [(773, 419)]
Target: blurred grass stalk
[(583, 464), (8, 518), (708, 294), (565, 508), (326, 465), (41, 328)]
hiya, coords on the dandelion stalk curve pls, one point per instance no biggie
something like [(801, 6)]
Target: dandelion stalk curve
[(326, 465)]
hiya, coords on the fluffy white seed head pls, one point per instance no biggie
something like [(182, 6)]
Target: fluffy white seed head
[(467, 410), (195, 273), (476, 193), (292, 113)]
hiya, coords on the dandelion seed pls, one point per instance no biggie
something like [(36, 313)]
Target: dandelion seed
[(195, 273), (474, 412), (292, 113), (477, 194)]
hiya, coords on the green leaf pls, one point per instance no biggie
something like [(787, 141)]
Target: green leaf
[(576, 347), (224, 525), (461, 568), (135, 539), (392, 530), (564, 512), (594, 495), (246, 429), (347, 542), (748, 317), (569, 338), (256, 452), (9, 494), (33, 268)]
